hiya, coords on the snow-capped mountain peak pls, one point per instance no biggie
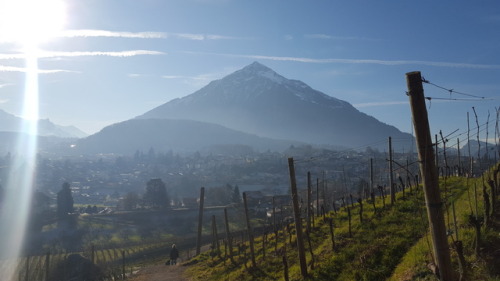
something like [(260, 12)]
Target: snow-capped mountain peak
[(258, 100), (260, 70)]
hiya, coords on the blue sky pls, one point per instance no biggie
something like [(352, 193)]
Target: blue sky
[(116, 59)]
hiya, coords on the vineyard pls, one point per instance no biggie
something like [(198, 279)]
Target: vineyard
[(367, 240), (114, 263)]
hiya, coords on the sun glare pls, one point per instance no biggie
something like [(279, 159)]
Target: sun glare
[(26, 23), (30, 22)]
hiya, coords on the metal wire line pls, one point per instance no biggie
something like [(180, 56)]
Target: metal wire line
[(451, 91), (456, 99)]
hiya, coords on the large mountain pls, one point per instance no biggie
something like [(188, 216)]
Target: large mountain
[(13, 124), (259, 101)]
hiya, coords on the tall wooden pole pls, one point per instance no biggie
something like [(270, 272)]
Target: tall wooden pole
[(437, 154), (249, 229), (317, 197), (298, 220), (391, 174), (371, 175), (27, 275), (459, 159), (309, 193), (228, 236), (47, 266), (200, 221), (215, 236), (429, 175), (324, 192), (445, 170)]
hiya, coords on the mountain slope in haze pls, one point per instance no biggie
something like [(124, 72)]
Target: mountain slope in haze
[(177, 135), (259, 101), (12, 123), (488, 150)]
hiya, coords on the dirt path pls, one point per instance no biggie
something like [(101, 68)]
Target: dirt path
[(160, 272)]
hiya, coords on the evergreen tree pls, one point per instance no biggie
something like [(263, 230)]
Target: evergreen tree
[(156, 194), (236, 198), (64, 201)]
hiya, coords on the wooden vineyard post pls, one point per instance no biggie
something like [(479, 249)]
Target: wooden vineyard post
[(308, 236), (27, 275), (249, 229), (47, 266), (200, 221), (285, 268), (215, 237), (360, 202), (317, 197), (298, 220), (332, 236), (123, 265), (437, 154), (228, 236), (429, 176), (371, 175), (325, 191), (309, 215), (459, 158), (275, 227), (391, 174)]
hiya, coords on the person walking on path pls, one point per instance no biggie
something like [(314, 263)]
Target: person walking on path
[(174, 254)]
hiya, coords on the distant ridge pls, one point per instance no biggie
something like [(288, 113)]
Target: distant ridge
[(12, 123)]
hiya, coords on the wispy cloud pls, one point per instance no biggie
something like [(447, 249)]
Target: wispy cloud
[(48, 54), (199, 77), (200, 80), (129, 53), (383, 103), (331, 37), (4, 68), (135, 75), (107, 33), (201, 37), (367, 61), (144, 35)]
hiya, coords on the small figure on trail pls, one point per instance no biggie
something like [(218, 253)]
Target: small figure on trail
[(174, 254)]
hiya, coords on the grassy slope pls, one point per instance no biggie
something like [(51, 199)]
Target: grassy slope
[(484, 267), (392, 243)]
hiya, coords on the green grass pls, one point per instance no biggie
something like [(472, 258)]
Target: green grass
[(414, 263)]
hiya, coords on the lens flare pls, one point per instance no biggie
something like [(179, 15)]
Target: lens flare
[(31, 22), (26, 23), (15, 210)]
